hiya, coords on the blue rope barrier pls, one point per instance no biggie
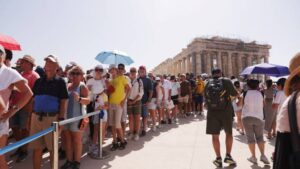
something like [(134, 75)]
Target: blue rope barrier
[(26, 140)]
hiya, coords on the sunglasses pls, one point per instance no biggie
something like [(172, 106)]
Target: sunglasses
[(132, 71), (121, 68), (75, 73), (99, 70)]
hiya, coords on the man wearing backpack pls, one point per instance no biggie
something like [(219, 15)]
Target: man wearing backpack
[(218, 93)]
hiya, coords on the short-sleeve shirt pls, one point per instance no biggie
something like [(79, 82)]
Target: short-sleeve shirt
[(148, 87), (48, 94), (280, 97), (167, 87), (282, 122), (96, 86), (8, 76), (253, 105), (185, 88), (230, 92), (119, 84), (175, 87)]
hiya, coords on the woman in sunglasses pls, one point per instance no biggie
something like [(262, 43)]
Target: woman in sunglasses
[(78, 98), (99, 100)]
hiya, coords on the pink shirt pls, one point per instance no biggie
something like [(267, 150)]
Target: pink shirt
[(31, 77), (283, 124)]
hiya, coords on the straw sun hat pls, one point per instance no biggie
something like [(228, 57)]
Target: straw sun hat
[(294, 68)]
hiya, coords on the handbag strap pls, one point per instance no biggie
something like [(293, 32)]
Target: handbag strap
[(293, 122)]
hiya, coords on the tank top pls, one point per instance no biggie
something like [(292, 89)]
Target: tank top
[(74, 107)]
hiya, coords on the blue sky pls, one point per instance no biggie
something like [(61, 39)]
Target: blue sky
[(148, 30)]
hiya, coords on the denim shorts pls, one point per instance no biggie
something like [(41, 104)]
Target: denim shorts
[(144, 111)]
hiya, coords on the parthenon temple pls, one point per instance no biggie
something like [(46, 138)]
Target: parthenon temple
[(204, 54)]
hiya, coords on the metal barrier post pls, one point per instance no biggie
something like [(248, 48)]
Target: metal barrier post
[(101, 154), (55, 145)]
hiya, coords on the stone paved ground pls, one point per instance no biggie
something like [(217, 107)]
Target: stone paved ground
[(183, 146)]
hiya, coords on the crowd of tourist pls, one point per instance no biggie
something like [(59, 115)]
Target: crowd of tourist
[(36, 98)]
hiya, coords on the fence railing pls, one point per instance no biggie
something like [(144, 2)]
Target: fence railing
[(54, 129)]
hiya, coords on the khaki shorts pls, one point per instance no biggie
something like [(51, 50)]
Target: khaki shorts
[(184, 99), (114, 115), (134, 109), (37, 126)]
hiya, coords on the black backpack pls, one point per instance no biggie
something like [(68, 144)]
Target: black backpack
[(215, 94)]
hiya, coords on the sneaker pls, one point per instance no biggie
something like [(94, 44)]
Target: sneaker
[(163, 122), (143, 133), (264, 159), (76, 165), (130, 136), (218, 162), (176, 120), (169, 121), (92, 148), (136, 137), (22, 156), (229, 160), (122, 146), (67, 165), (252, 160), (114, 146), (153, 128)]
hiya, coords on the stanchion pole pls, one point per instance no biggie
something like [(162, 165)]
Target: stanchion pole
[(101, 154), (55, 145), (100, 139)]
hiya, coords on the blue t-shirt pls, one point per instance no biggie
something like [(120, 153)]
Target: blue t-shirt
[(148, 87)]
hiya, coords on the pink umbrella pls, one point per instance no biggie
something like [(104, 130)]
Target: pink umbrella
[(9, 43)]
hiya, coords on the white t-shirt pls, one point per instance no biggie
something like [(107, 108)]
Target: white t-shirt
[(279, 99), (96, 86), (8, 76), (175, 87), (167, 86), (282, 122), (253, 105)]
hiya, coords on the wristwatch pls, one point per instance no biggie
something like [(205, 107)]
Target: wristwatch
[(15, 107)]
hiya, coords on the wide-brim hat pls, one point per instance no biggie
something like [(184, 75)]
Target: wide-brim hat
[(294, 68), (29, 59)]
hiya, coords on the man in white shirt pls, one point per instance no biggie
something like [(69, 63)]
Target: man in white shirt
[(134, 104)]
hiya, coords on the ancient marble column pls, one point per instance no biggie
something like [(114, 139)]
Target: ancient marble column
[(198, 63), (219, 60), (258, 59), (207, 62), (229, 64), (239, 62), (249, 60), (266, 59), (189, 65)]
